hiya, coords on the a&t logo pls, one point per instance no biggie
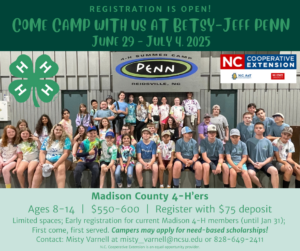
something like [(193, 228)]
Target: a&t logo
[(44, 68)]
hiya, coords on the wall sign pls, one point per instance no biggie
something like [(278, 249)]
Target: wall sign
[(156, 71)]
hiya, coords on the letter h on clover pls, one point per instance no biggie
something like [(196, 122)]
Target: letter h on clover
[(23, 68)]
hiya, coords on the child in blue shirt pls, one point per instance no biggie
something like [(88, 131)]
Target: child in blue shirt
[(146, 155)]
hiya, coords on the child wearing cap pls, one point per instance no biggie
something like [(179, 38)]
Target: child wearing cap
[(108, 158), (260, 156), (276, 129), (246, 127), (166, 150), (213, 157), (146, 155), (88, 152), (126, 154), (267, 122), (154, 136), (236, 156), (187, 157), (202, 127), (283, 150)]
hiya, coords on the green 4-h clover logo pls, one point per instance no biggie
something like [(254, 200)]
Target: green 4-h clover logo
[(23, 68)]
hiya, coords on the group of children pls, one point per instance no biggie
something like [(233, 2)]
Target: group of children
[(261, 139), (117, 113), (105, 141), (21, 150)]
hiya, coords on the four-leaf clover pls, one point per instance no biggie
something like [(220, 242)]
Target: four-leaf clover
[(23, 68)]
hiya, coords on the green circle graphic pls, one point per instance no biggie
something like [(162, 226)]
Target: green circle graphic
[(187, 65)]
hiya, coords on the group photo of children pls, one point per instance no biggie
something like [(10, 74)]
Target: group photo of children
[(127, 136)]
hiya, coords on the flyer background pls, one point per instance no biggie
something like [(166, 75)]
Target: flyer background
[(277, 199)]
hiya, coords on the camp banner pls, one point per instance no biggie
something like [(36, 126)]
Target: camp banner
[(156, 71)]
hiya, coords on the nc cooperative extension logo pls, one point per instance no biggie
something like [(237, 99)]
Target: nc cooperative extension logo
[(257, 61), (156, 69), (23, 68), (258, 68)]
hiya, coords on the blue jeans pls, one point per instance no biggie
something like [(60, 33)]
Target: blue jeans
[(129, 174)]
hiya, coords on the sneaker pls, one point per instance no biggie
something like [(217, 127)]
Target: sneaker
[(168, 186), (128, 186), (120, 185), (161, 186)]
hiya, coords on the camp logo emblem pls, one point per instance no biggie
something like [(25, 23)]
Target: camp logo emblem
[(33, 81), (156, 68)]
